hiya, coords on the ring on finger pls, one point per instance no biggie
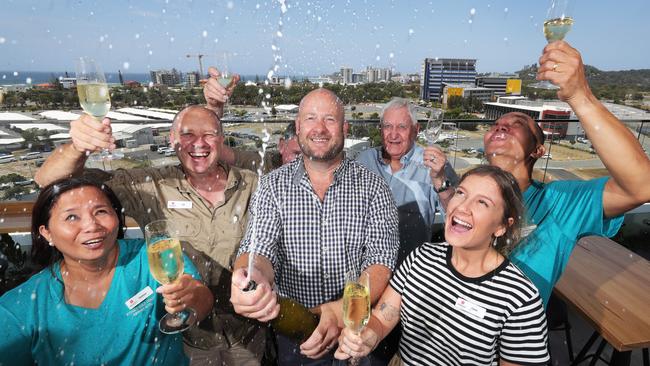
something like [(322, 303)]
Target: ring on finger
[(555, 67)]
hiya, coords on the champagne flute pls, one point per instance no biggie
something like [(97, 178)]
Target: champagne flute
[(225, 76), (94, 97), (557, 25), (356, 305), (433, 128), (166, 265)]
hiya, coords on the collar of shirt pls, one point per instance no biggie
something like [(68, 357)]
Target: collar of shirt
[(180, 182), (300, 173), (413, 155)]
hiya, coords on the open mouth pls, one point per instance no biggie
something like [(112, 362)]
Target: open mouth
[(199, 155), (499, 136), (93, 243), (459, 225), (320, 140)]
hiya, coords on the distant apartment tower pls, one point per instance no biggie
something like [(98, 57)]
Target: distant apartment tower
[(165, 77), (502, 84), (346, 75), (385, 74), (192, 79), (435, 71)]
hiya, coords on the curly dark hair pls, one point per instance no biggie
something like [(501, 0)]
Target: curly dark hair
[(42, 253), (512, 200)]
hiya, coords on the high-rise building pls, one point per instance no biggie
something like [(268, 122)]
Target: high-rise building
[(502, 84), (165, 77), (435, 71), (385, 74), (192, 79), (346, 75)]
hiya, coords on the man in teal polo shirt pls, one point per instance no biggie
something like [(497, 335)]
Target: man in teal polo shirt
[(564, 211)]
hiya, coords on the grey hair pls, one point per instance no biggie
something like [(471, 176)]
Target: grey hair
[(182, 112), (396, 103)]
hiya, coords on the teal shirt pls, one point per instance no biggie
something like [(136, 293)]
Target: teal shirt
[(564, 211), (36, 324)]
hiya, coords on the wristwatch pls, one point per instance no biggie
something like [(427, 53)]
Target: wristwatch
[(446, 184)]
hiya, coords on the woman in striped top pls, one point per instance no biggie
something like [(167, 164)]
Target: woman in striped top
[(462, 302)]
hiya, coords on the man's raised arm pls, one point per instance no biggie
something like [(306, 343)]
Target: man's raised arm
[(615, 145), (88, 135)]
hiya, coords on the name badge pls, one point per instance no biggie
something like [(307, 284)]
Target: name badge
[(139, 297), (179, 204), (470, 308)]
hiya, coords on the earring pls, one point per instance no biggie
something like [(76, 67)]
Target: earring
[(494, 242), (50, 243)]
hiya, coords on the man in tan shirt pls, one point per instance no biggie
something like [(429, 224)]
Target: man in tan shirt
[(211, 195)]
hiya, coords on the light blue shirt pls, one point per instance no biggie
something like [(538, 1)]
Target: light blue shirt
[(37, 325), (417, 201), (564, 211)]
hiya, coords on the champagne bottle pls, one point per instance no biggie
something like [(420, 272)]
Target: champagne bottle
[(295, 321)]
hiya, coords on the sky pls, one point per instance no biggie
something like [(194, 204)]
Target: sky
[(308, 38)]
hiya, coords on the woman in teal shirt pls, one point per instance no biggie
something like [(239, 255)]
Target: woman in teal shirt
[(96, 302)]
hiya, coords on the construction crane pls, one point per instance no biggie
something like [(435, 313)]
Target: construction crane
[(199, 56)]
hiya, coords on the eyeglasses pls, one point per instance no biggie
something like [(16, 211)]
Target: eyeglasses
[(402, 127)]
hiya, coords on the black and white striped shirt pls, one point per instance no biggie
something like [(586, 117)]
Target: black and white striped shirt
[(312, 243), (450, 319)]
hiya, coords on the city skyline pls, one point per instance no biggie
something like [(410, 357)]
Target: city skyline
[(309, 38)]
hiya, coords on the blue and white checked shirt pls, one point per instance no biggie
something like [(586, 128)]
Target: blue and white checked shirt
[(312, 244), (417, 201)]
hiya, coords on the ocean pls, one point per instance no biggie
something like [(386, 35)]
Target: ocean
[(38, 77)]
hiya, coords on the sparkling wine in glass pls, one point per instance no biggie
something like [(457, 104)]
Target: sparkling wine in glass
[(433, 129), (356, 305), (94, 97), (223, 63), (166, 266), (557, 24)]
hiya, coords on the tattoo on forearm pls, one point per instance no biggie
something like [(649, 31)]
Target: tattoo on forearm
[(388, 312)]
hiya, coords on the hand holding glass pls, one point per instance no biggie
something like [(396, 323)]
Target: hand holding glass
[(356, 305), (166, 265), (94, 96)]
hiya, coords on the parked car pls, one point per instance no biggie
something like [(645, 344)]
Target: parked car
[(162, 148), (547, 156), (584, 140), (154, 147), (7, 159), (170, 152), (32, 155)]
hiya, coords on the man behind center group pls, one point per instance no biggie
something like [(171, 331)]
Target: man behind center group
[(420, 179), (211, 196), (311, 221)]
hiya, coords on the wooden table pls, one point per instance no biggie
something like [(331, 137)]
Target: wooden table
[(610, 287)]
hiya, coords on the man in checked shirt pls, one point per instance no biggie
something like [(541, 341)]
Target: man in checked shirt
[(310, 222)]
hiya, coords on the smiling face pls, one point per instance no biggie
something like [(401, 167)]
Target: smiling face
[(83, 225), (197, 139), (398, 132), (475, 213), (513, 135), (320, 126)]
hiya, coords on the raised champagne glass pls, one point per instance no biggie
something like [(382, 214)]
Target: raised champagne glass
[(433, 128), (557, 24), (94, 97), (356, 306), (225, 76), (166, 266)]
